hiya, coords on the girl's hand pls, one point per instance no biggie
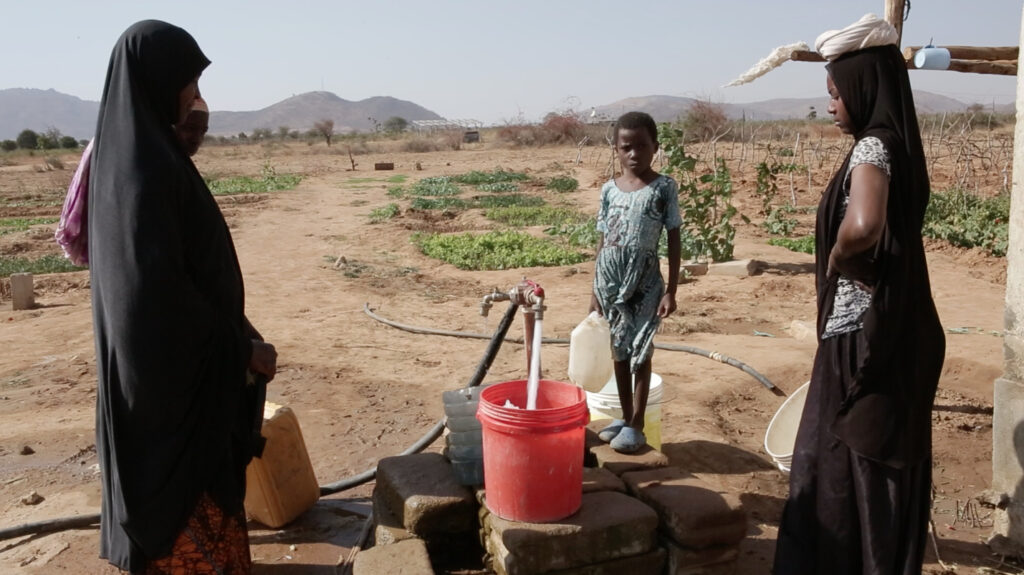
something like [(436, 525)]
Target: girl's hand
[(595, 305), (263, 359), (667, 305)]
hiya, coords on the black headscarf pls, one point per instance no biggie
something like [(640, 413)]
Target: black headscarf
[(886, 414), (168, 306)]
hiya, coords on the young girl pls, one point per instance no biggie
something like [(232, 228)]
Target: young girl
[(628, 287)]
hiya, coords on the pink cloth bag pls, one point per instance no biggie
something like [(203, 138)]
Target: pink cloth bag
[(72, 233)]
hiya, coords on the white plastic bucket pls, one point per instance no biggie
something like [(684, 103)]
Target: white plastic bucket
[(605, 404), (780, 439)]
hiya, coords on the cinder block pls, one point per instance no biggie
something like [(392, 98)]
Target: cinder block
[(608, 526), (407, 557), (384, 166), (693, 513), (652, 563), (800, 329), (600, 479), (22, 292), (736, 268), (388, 528), (719, 560), (422, 491), (695, 269)]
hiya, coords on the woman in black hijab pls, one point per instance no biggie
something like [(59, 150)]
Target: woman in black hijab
[(860, 485), (174, 411)]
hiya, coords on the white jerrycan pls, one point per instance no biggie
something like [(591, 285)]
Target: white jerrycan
[(590, 353)]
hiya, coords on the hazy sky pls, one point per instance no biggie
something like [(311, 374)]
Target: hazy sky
[(489, 61)]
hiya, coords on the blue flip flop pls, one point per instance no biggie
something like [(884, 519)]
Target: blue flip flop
[(629, 440), (612, 431)]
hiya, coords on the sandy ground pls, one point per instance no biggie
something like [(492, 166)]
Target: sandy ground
[(363, 390)]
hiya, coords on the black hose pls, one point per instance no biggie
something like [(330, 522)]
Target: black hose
[(481, 371), (432, 434)]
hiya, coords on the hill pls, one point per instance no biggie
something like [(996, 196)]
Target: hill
[(668, 108), (38, 110)]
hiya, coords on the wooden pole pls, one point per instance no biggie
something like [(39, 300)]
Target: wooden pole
[(995, 67), (894, 16), (971, 52)]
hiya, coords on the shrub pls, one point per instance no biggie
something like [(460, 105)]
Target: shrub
[(385, 213), (495, 250), (563, 128), (8, 145), (435, 186), (28, 140), (563, 184), (442, 203), (498, 187), (581, 234), (704, 121), (804, 244), (966, 220), (419, 145)]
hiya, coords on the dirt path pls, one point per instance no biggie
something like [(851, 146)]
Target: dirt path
[(363, 390)]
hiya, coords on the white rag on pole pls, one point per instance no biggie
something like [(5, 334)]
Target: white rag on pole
[(768, 63)]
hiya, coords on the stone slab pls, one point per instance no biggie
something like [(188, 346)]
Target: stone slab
[(719, 560), (608, 526), (693, 513), (388, 528), (407, 557), (422, 491), (695, 268), (652, 562), (619, 463), (22, 292), (735, 268), (600, 479)]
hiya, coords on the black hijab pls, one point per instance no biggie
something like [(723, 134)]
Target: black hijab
[(168, 306), (886, 414)]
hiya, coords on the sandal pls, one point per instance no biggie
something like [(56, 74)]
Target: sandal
[(612, 431), (629, 440)]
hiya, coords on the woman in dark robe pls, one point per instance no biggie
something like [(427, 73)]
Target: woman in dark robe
[(860, 485), (174, 351)]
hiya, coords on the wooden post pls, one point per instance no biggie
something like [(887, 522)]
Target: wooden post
[(894, 16)]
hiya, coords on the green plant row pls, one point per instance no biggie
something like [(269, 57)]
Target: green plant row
[(803, 245), (966, 220), (477, 178), (269, 181), (563, 184), (498, 250), (378, 215), (12, 225), (47, 264), (540, 215)]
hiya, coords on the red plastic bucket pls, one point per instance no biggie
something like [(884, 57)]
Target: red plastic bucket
[(533, 458)]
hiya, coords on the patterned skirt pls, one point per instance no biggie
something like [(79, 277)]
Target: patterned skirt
[(211, 543)]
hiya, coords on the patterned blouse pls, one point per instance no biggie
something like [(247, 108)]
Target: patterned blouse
[(852, 301)]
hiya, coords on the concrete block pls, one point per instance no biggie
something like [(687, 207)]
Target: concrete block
[(22, 292), (384, 166), (388, 528), (693, 513), (652, 562), (422, 491), (600, 479), (720, 560), (407, 557), (608, 526), (736, 268), (695, 269), (619, 463)]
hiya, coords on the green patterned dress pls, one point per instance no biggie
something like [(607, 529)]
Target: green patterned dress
[(627, 277)]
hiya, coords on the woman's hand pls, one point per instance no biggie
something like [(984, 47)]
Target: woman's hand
[(264, 359), (595, 305), (667, 305)]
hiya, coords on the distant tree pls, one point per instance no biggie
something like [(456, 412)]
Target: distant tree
[(812, 114), (395, 124), (705, 121), (376, 124), (68, 142), (976, 108), (242, 136), (50, 139), (282, 131), (294, 134), (8, 145), (325, 129), (261, 134), (28, 140)]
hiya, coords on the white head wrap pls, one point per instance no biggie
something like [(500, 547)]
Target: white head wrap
[(867, 32)]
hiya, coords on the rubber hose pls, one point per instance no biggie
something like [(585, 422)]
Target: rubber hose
[(478, 376)]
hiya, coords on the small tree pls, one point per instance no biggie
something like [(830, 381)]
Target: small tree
[(261, 134), (50, 139), (8, 145), (28, 140), (813, 114), (325, 128), (395, 125), (282, 131), (68, 142), (704, 121)]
